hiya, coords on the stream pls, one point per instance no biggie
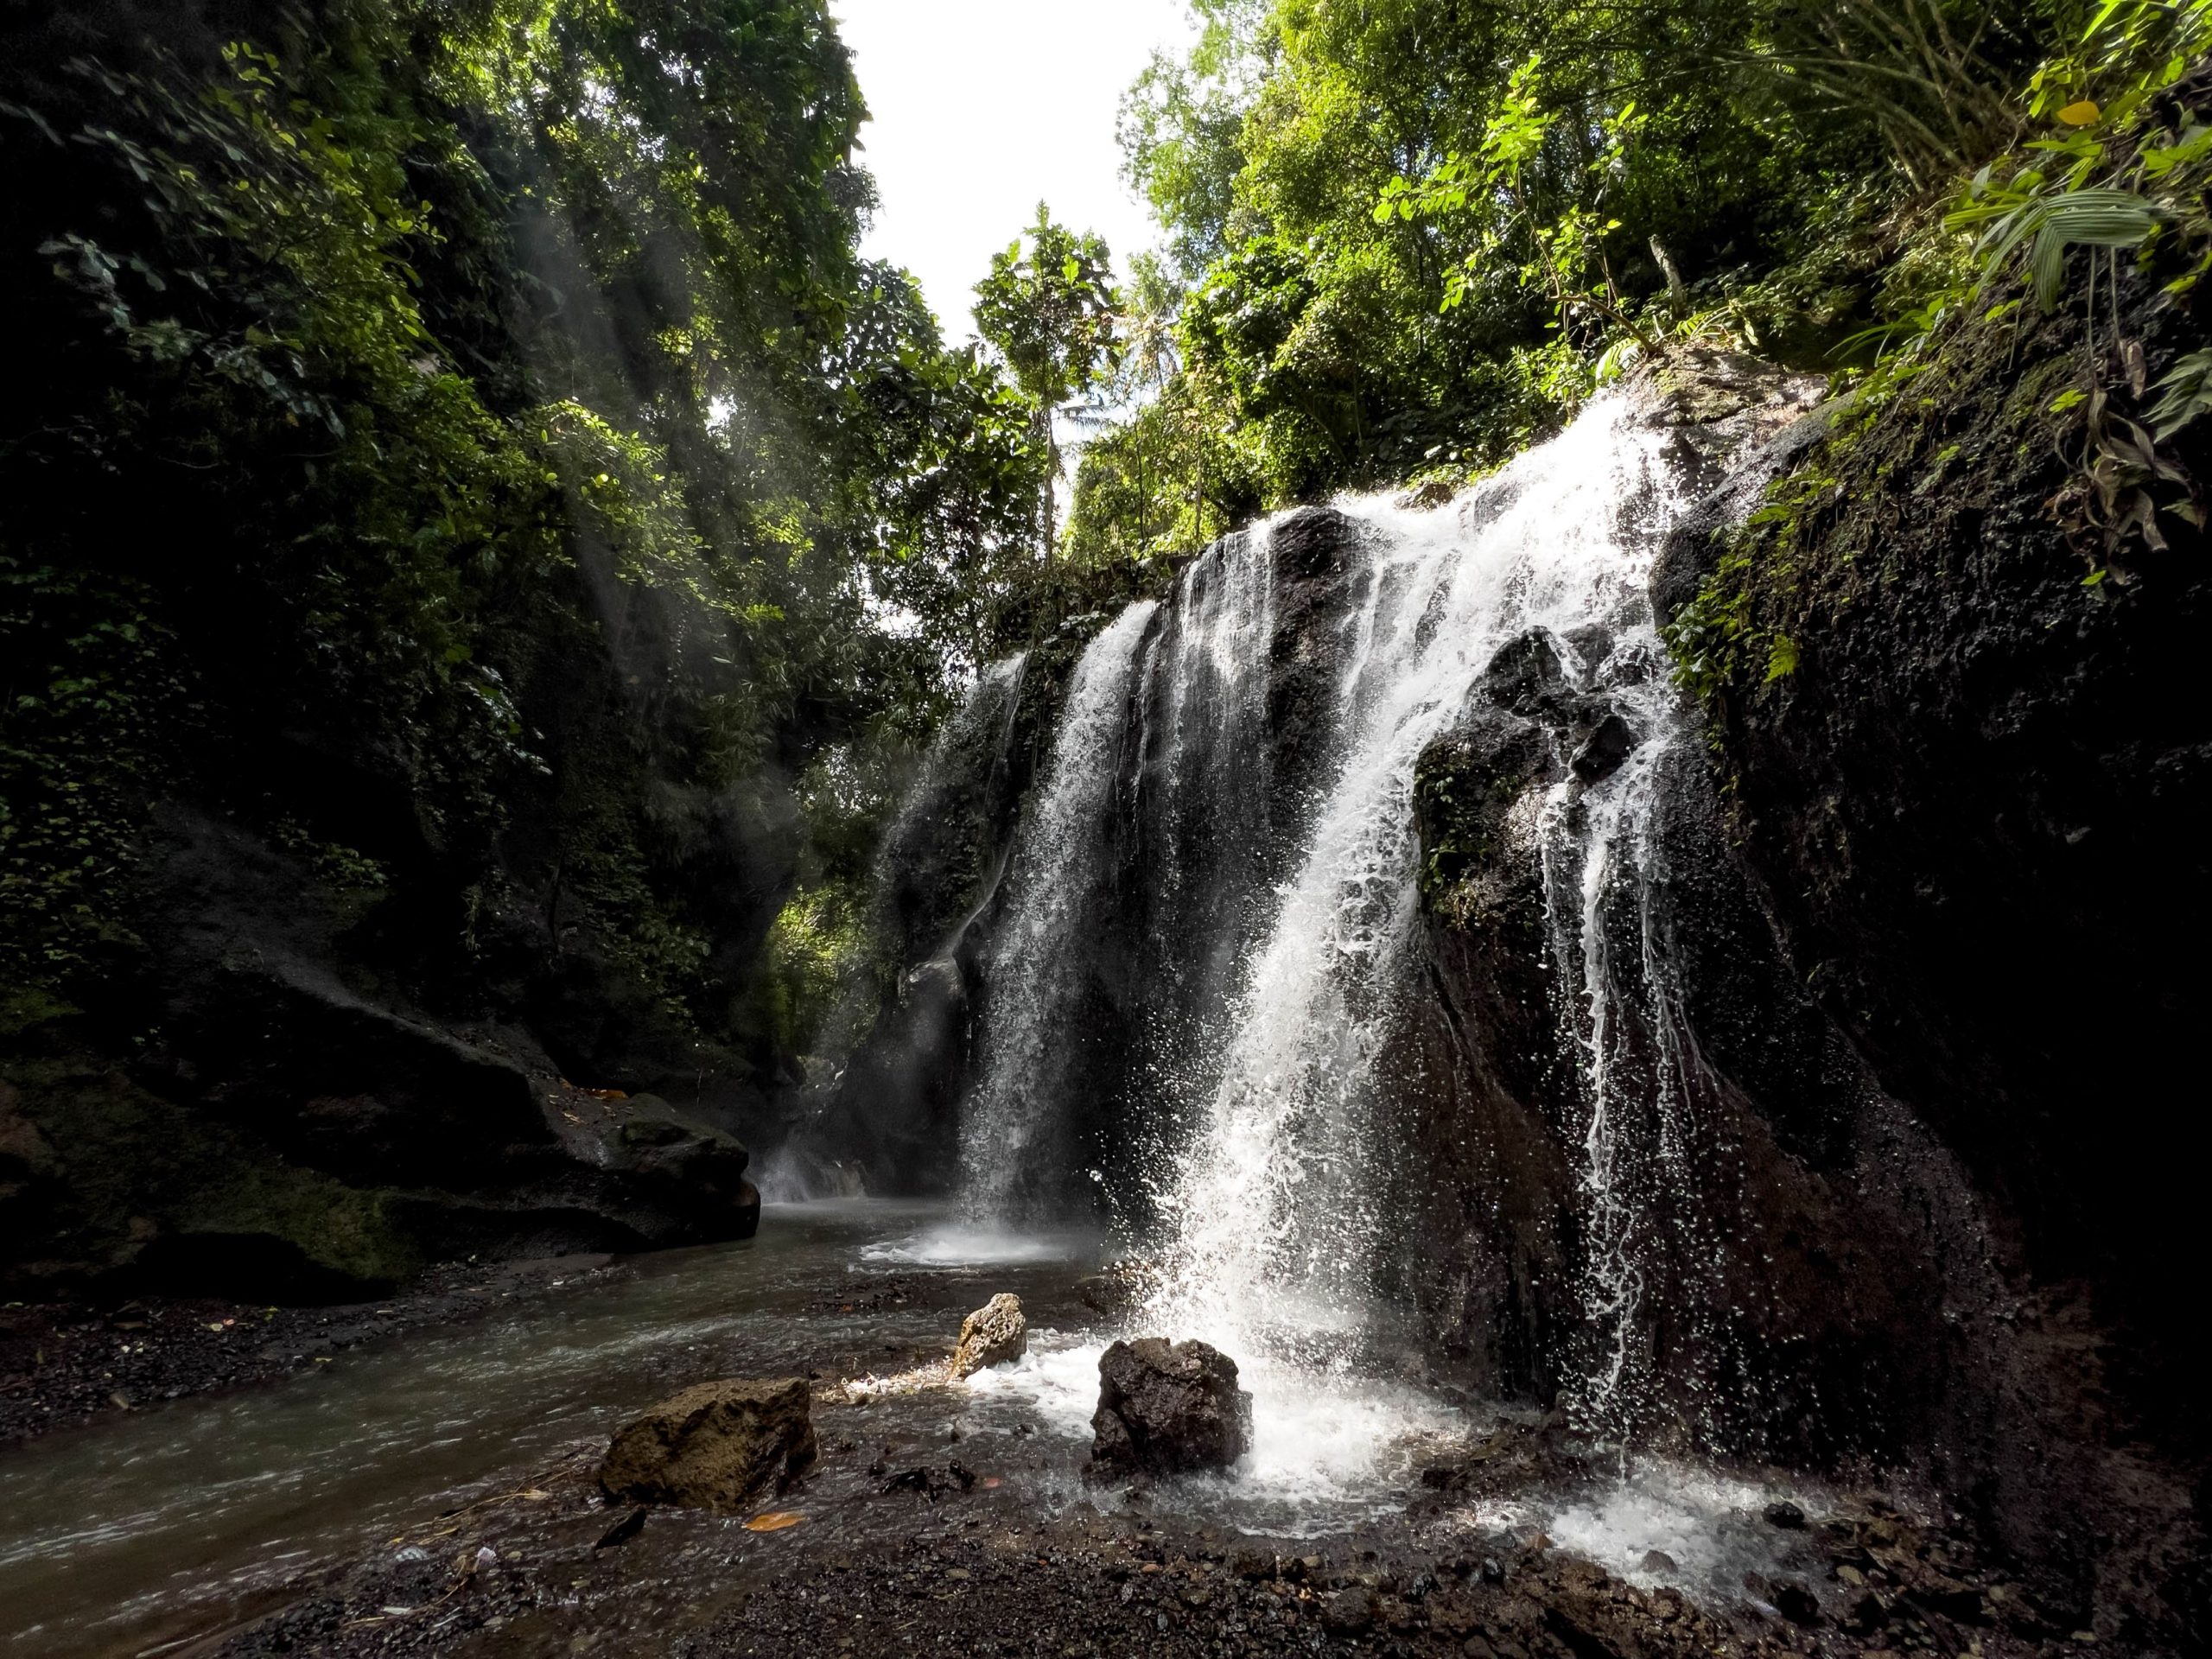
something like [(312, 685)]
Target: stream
[(142, 1533), (191, 1513)]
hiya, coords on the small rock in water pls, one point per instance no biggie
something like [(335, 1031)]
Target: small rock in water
[(995, 1334), (714, 1446), (1658, 1561), (1165, 1408), (1351, 1613), (622, 1531), (1786, 1515), (1112, 1291), (1795, 1602)]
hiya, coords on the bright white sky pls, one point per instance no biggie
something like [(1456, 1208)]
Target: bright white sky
[(984, 107)]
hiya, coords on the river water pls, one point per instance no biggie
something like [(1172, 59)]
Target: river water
[(142, 1530), (142, 1533), (192, 1512)]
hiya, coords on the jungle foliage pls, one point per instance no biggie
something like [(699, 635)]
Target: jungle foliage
[(1411, 235), (459, 442), (2076, 256), (463, 443)]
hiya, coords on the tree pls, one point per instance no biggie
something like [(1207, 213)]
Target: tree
[(1050, 312)]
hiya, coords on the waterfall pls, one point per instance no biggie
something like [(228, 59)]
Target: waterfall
[(892, 1031), (1035, 963), (1204, 832), (1277, 1208), (1280, 903)]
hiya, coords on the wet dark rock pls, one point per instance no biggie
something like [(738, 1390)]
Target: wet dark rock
[(1527, 675), (716, 1446), (1349, 1613), (1785, 1515), (1909, 801), (693, 1164), (622, 1531), (1604, 750), (1593, 644), (1697, 386), (1659, 1561), (1841, 1291), (1690, 548), (1253, 1564), (1793, 1601), (1480, 861), (1167, 1409), (1113, 1291), (298, 1134), (995, 1334)]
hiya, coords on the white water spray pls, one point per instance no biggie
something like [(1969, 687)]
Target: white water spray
[(1277, 1209), (1274, 1197)]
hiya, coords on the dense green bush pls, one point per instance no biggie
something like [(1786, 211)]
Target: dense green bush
[(1413, 236)]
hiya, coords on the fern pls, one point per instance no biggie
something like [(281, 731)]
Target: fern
[(2050, 226), (2187, 394)]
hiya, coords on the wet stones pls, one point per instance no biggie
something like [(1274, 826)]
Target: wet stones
[(716, 1446), (1527, 676), (1166, 1409), (1785, 1515), (995, 1334), (1113, 1291), (1349, 1613), (1602, 752)]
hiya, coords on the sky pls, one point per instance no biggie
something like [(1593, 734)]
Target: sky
[(981, 108)]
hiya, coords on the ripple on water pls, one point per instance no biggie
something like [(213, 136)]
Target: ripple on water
[(1710, 1526), (964, 1244)]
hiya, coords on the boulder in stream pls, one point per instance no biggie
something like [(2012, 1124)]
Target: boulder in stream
[(716, 1446), (1165, 1408), (995, 1334)]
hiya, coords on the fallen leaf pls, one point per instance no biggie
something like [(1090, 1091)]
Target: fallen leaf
[(774, 1521)]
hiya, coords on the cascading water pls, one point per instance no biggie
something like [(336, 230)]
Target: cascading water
[(1280, 917), (1057, 870), (870, 1072), (1278, 1208)]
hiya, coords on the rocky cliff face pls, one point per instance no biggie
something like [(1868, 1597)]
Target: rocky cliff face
[(285, 1127), (1778, 1308), (1976, 813)]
